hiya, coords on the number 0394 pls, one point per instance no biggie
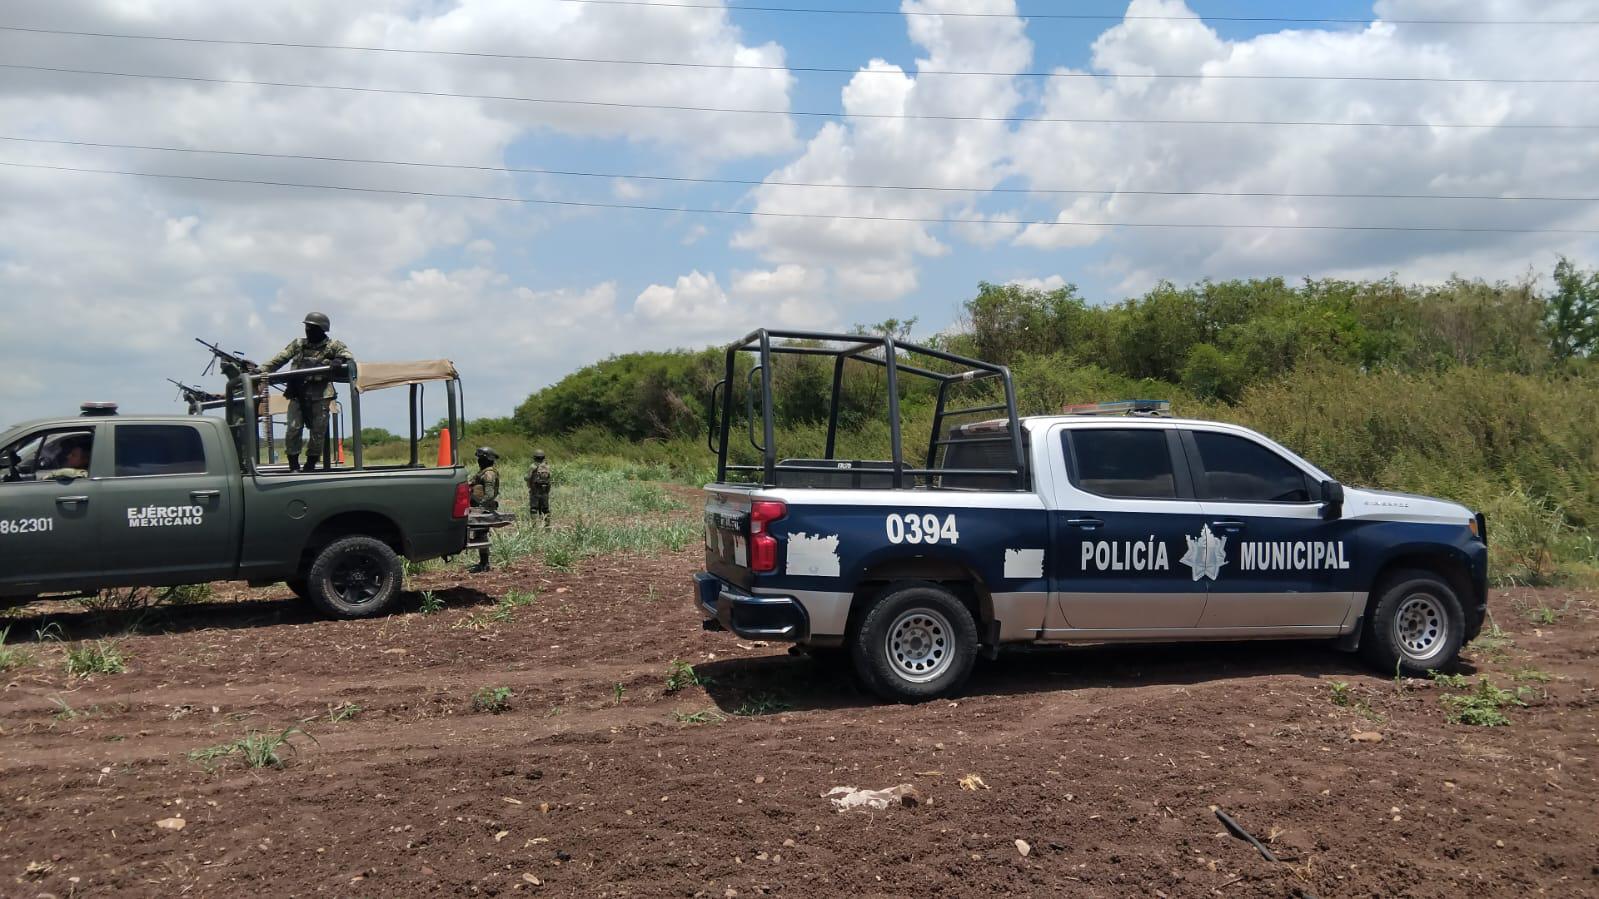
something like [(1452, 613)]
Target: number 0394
[(923, 528)]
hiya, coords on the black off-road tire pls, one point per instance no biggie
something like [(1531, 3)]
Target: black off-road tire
[(355, 577), (916, 642), (1416, 624)]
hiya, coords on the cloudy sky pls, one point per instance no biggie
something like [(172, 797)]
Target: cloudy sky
[(105, 278)]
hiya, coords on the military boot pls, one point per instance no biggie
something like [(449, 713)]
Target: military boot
[(294, 462), (311, 459)]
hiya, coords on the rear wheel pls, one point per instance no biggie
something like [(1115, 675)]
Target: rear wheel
[(354, 577), (916, 642), (1417, 624)]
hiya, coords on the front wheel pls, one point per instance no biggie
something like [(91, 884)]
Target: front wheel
[(1417, 625), (916, 642), (354, 577)]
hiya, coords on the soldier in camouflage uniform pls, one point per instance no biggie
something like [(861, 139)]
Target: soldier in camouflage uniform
[(310, 397), (485, 486), (538, 488)]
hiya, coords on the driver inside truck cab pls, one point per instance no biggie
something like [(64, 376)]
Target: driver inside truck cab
[(71, 457)]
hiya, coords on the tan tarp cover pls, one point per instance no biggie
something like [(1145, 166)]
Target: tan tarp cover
[(378, 375)]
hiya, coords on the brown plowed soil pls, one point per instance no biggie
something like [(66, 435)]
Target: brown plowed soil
[(1107, 762)]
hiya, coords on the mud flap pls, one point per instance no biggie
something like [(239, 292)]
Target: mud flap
[(990, 644), (1350, 642)]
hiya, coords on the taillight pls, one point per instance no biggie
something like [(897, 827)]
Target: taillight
[(463, 500), (763, 546)]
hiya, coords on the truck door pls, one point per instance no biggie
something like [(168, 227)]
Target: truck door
[(1286, 567), (1129, 544), (166, 509), (47, 524)]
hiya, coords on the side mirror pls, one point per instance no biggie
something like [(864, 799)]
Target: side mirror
[(1332, 499)]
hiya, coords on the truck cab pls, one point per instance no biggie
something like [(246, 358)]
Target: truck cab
[(1078, 528)]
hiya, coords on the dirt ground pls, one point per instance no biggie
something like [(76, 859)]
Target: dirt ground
[(1107, 762)]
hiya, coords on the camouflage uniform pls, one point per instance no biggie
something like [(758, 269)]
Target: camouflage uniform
[(486, 489), (308, 404), (538, 490)]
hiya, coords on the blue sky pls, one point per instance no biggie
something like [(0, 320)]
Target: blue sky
[(521, 295)]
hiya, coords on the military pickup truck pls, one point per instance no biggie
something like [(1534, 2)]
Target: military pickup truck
[(1113, 524), (110, 500)]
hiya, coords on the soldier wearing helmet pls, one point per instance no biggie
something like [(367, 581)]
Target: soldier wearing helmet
[(538, 488), (309, 397), (485, 487)]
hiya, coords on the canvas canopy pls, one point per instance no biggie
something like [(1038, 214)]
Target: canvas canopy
[(378, 375)]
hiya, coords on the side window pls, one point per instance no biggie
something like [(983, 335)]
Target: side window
[(158, 449), (36, 456), (1131, 462), (1241, 470)]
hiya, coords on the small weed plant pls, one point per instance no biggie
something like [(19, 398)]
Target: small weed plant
[(1341, 694), (1533, 675), (10, 656), (431, 602), (704, 716), (99, 657), (616, 692), (255, 749), (758, 704), (344, 711), (493, 700), (680, 675), (1482, 707)]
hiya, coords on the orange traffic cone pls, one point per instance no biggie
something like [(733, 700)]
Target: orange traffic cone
[(341, 450), (446, 456)]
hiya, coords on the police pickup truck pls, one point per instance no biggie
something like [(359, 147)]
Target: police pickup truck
[(106, 500), (1073, 528)]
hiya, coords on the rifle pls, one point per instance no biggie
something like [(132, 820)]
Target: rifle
[(235, 359), (194, 396)]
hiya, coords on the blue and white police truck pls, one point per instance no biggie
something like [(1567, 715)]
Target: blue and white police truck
[(1107, 524)]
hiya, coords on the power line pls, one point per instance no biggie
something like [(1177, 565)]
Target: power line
[(610, 104), (689, 64), (797, 215), (1088, 17), (753, 182)]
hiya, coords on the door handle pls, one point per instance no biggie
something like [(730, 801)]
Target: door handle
[(204, 494), (71, 500), (1229, 525), (1086, 524)]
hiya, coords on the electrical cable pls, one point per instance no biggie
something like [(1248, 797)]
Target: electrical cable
[(802, 215), (611, 104), (754, 182)]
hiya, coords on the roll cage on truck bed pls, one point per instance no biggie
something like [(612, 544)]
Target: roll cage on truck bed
[(1072, 528)]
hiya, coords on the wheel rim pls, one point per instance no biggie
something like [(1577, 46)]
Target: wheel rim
[(920, 645), (358, 578), (1421, 627)]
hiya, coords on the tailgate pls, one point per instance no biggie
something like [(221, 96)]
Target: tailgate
[(727, 532)]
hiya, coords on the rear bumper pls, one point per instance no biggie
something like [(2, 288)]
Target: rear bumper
[(752, 617)]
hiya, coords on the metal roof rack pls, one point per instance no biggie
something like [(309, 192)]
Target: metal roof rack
[(896, 358)]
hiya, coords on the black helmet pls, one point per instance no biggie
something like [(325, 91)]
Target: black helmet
[(487, 452), (319, 320), (538, 454)]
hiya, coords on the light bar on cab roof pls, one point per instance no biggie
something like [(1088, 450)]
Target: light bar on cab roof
[(1157, 408)]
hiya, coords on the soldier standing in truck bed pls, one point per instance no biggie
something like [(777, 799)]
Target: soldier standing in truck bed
[(538, 488), (310, 397), (485, 487)]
